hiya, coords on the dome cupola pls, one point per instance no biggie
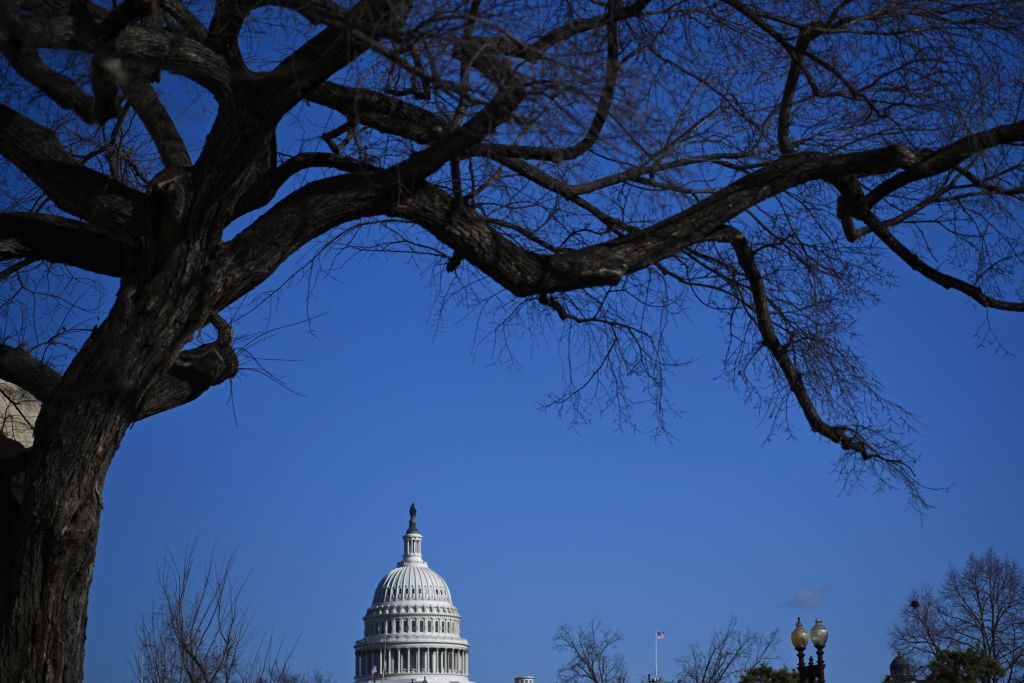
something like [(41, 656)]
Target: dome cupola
[(412, 629)]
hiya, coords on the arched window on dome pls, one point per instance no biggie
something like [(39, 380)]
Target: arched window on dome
[(414, 626)]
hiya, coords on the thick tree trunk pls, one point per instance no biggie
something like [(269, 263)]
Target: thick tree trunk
[(47, 562), (48, 552)]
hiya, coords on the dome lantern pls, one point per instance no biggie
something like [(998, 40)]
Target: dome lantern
[(413, 542)]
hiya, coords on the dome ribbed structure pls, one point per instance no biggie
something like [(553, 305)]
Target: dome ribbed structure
[(412, 583), (412, 629)]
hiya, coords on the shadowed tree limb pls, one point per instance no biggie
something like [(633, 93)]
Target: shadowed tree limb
[(194, 371), (56, 239), (850, 438)]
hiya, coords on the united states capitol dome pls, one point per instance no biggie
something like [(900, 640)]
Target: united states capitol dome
[(412, 582), (412, 629)]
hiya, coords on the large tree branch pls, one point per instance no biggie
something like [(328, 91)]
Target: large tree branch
[(345, 38), (44, 237), (58, 87), (525, 273), (178, 54), (74, 188), (853, 204), (253, 255), (923, 165), (264, 189), (316, 208), (380, 112), (21, 368), (194, 371), (158, 122)]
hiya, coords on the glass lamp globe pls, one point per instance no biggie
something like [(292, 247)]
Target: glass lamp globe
[(799, 635), (819, 634)]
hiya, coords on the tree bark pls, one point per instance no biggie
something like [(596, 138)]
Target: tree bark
[(47, 553)]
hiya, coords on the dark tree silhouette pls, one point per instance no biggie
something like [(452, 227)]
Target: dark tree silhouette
[(950, 666), (201, 630), (730, 654), (973, 622), (768, 674), (594, 166), (592, 654)]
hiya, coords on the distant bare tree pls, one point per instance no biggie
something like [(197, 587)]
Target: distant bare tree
[(201, 631), (978, 608), (592, 655), (729, 654)]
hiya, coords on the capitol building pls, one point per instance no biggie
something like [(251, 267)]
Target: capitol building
[(412, 631)]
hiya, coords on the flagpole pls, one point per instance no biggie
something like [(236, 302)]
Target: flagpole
[(656, 656)]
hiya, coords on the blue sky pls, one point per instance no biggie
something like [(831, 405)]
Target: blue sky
[(535, 524)]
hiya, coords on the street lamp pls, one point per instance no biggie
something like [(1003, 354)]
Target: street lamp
[(811, 672)]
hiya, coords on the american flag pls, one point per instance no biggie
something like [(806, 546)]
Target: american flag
[(661, 635)]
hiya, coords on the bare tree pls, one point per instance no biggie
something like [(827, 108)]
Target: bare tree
[(592, 654), (582, 168), (978, 608), (201, 630), (729, 654)]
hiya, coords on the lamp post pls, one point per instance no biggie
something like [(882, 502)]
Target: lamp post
[(811, 672)]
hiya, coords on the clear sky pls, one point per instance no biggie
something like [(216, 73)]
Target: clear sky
[(534, 524)]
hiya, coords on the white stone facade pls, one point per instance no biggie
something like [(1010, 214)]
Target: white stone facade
[(412, 631)]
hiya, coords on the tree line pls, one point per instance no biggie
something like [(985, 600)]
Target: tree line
[(970, 629)]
